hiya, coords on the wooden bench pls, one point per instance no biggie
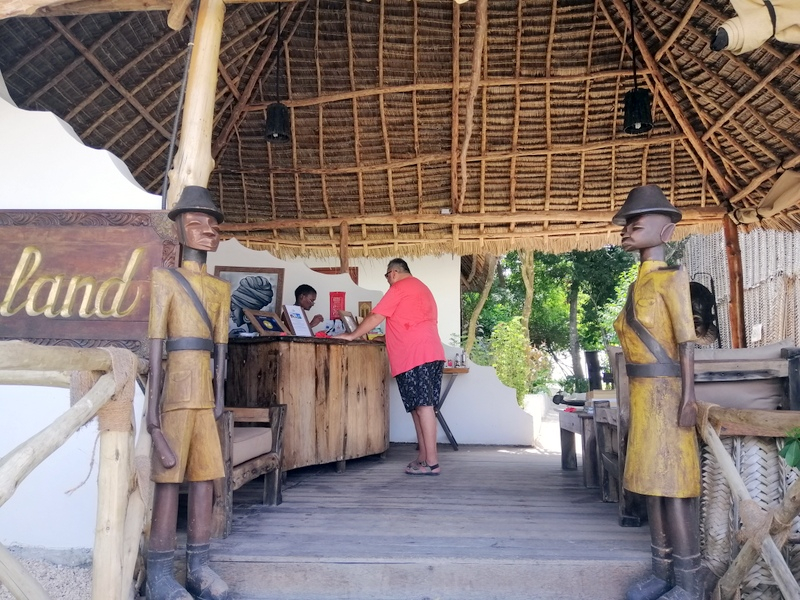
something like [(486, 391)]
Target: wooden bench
[(252, 445)]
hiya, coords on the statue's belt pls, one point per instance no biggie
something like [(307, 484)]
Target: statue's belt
[(190, 343), (653, 369), (664, 365)]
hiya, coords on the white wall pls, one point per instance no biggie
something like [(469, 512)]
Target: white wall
[(43, 165)]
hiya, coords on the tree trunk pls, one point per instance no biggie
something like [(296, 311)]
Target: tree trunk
[(574, 342), (491, 262), (527, 271)]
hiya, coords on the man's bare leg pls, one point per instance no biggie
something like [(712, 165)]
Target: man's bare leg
[(427, 422), (421, 456)]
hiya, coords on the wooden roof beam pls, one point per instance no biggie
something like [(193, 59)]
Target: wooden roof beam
[(481, 25), (690, 214), (63, 8), (688, 13), (669, 100), (454, 119), (107, 75), (237, 113)]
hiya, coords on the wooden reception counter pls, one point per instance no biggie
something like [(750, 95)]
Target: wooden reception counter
[(336, 393)]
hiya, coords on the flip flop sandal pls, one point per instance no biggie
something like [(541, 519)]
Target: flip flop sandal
[(415, 464), (422, 469)]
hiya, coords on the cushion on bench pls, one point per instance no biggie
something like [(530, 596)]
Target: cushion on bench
[(763, 394), (249, 442)]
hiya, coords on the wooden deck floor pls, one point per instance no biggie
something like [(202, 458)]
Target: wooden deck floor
[(503, 512)]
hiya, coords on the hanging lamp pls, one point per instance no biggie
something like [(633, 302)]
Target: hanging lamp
[(637, 101), (278, 128)]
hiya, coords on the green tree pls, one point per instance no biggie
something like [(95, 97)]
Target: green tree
[(512, 356)]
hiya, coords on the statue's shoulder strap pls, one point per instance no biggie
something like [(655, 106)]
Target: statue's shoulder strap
[(198, 304), (647, 338)]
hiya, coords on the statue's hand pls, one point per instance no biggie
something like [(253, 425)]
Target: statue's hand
[(687, 415), (161, 446)]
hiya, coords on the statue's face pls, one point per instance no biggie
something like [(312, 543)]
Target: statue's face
[(646, 231), (198, 231)]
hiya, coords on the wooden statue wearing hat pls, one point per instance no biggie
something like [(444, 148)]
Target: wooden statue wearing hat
[(656, 331), (189, 309)]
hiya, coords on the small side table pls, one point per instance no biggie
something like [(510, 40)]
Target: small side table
[(453, 372), (581, 423)]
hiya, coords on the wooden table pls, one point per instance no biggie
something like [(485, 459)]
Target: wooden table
[(453, 372), (336, 394), (582, 423)]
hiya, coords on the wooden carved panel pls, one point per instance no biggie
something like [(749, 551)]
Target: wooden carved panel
[(81, 278)]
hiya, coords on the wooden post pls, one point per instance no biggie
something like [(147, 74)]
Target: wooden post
[(193, 163), (344, 257), (736, 302)]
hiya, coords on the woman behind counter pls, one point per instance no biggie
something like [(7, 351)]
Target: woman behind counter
[(305, 296)]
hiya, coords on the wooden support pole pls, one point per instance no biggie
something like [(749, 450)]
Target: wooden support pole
[(193, 163), (17, 580), (736, 300), (24, 356), (113, 479), (41, 378)]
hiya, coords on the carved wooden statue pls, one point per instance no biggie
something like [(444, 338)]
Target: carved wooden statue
[(656, 331), (189, 309)]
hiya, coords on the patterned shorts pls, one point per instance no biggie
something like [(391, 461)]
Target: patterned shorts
[(421, 385)]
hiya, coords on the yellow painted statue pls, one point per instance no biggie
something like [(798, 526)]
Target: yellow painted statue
[(189, 309), (656, 331)]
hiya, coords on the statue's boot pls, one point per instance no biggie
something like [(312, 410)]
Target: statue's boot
[(201, 581), (161, 583), (659, 582), (689, 579)]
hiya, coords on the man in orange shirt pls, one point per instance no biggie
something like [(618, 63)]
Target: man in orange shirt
[(416, 355)]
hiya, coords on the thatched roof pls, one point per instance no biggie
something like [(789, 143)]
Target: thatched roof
[(427, 126)]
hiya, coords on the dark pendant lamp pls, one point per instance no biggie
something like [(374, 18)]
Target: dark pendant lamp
[(278, 124), (637, 101)]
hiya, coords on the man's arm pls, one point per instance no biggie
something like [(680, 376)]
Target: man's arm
[(370, 322)]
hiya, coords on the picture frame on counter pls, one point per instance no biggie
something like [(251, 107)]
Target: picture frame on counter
[(265, 322), (296, 320), (348, 320), (252, 288), (364, 308)]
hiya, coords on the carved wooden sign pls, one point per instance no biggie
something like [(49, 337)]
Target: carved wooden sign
[(81, 278)]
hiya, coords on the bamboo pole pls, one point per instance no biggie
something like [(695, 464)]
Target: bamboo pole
[(193, 163), (18, 464), (43, 378), (17, 579), (18, 355)]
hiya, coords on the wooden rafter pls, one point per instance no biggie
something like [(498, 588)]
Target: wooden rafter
[(104, 72), (237, 112), (454, 104), (62, 8), (670, 101), (704, 214), (481, 25)]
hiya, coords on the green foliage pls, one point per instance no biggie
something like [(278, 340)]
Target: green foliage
[(574, 385), (512, 356), (791, 449)]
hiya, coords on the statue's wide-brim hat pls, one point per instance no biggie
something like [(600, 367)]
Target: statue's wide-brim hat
[(646, 199), (195, 198)]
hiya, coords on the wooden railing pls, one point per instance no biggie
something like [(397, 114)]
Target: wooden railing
[(123, 490)]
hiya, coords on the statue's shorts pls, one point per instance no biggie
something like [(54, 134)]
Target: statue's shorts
[(193, 437)]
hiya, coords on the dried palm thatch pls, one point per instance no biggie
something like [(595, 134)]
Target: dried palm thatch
[(426, 127)]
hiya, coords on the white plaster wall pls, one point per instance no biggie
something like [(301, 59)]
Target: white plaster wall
[(479, 409), (43, 165)]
